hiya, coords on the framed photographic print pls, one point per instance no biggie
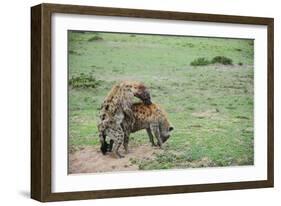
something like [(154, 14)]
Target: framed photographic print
[(128, 102)]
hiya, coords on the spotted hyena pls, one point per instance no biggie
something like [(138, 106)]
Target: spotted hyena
[(118, 104), (150, 117)]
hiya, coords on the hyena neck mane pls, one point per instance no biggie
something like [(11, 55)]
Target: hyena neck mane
[(121, 97)]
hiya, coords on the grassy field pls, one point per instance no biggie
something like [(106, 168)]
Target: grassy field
[(210, 106)]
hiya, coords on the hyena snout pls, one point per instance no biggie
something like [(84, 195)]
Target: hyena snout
[(166, 135)]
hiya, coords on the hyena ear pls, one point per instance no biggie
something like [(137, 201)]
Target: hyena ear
[(171, 128)]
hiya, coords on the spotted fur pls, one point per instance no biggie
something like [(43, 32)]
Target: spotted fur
[(152, 118), (117, 104)]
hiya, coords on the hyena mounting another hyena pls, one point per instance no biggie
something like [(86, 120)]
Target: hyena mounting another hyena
[(150, 117), (116, 106)]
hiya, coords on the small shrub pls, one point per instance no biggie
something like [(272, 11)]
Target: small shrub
[(73, 52), (95, 38), (200, 62), (237, 49), (83, 81), (166, 158), (240, 63), (222, 60)]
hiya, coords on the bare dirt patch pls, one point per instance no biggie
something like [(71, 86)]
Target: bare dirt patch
[(90, 160)]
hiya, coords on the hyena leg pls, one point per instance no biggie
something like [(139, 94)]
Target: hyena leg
[(118, 136), (150, 135), (126, 129), (115, 149), (156, 132), (126, 143)]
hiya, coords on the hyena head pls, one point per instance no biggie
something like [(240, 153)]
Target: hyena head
[(165, 130), (139, 90)]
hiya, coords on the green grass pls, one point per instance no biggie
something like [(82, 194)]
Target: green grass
[(210, 107)]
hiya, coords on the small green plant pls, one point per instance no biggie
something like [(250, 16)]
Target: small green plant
[(240, 63), (83, 81), (73, 52), (95, 38), (166, 157), (200, 62), (222, 60)]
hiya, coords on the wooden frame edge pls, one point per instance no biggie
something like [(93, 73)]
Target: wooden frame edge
[(270, 102), (36, 139), (157, 14), (101, 194), (41, 101)]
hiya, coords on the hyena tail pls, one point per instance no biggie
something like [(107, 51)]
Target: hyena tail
[(104, 144), (105, 147)]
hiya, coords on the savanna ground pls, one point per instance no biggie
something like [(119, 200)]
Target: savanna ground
[(209, 104)]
